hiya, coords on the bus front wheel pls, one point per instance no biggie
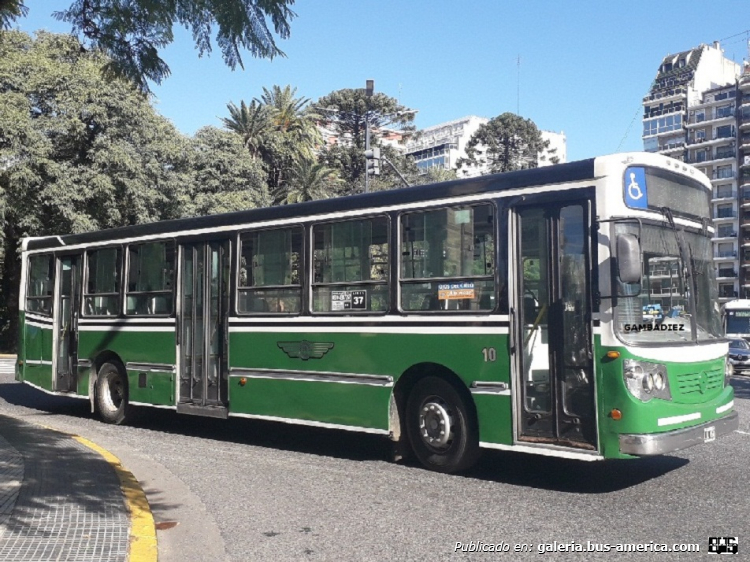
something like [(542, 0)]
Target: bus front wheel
[(442, 430), (112, 394)]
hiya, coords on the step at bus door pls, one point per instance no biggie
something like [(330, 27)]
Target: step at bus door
[(66, 322), (204, 306), (553, 364)]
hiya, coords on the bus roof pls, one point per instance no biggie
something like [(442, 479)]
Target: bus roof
[(560, 173)]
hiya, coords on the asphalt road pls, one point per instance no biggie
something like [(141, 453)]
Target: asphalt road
[(242, 490)]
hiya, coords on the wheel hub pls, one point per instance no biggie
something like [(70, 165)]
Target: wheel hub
[(435, 424)]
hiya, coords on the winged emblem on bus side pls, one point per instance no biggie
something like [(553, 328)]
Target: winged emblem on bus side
[(305, 349)]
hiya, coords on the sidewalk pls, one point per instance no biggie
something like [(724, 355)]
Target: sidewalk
[(59, 499)]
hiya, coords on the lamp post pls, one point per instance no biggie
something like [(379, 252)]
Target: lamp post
[(369, 89)]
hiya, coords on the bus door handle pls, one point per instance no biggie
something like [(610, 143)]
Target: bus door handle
[(512, 331)]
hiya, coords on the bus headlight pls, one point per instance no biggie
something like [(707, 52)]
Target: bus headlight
[(728, 372), (646, 380)]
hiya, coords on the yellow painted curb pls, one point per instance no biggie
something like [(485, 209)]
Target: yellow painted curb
[(142, 530), (142, 547)]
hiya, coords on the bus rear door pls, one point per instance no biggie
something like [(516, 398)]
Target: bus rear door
[(68, 305)]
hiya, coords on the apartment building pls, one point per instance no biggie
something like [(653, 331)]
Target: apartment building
[(691, 114)]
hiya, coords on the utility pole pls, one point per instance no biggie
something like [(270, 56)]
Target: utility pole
[(369, 89), (518, 86)]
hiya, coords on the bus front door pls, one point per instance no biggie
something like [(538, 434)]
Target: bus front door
[(203, 342), (66, 322), (554, 375)]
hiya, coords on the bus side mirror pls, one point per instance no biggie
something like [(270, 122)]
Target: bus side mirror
[(628, 258)]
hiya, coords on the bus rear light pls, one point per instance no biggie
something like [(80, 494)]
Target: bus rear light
[(615, 414)]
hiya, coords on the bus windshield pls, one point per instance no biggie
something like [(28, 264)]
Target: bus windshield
[(663, 310), (738, 321)]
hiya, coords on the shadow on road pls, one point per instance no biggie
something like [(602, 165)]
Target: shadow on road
[(741, 387), (516, 469), (573, 476)]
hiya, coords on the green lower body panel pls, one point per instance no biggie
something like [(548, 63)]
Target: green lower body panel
[(495, 417), (345, 404)]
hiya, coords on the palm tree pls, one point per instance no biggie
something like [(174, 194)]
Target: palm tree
[(292, 117), (252, 122), (309, 180)]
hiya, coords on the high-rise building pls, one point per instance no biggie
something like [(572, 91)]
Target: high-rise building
[(690, 114), (442, 145)]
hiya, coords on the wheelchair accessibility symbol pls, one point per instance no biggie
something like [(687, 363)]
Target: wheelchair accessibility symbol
[(636, 191)]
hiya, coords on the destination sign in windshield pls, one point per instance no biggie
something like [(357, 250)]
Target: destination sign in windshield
[(652, 188)]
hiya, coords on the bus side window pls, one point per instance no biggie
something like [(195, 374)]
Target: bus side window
[(150, 279), (350, 266), (40, 285), (448, 259), (102, 289), (269, 276)]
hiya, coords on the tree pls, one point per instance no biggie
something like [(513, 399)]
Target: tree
[(251, 122), (293, 136), (279, 129), (349, 110), (131, 32), (311, 180), (225, 176), (77, 151), (10, 11), (435, 175), (505, 143)]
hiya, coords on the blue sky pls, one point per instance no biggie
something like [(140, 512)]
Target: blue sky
[(584, 65)]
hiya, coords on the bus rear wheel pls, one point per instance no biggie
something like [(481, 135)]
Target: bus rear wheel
[(442, 430), (112, 394)]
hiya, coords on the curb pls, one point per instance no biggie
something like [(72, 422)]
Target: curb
[(142, 547)]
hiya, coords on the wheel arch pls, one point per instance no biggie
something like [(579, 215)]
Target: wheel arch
[(105, 356), (406, 382)]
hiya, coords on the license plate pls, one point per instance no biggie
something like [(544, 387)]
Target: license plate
[(709, 434)]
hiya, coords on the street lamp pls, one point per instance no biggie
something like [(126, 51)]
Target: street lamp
[(369, 89)]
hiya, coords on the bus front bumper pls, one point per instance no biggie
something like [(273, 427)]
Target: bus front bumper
[(661, 443)]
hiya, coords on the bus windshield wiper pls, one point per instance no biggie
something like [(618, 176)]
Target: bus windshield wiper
[(687, 269)]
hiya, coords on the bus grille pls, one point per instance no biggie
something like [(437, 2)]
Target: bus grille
[(701, 383)]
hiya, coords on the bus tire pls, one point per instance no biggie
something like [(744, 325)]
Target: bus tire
[(112, 394), (441, 427)]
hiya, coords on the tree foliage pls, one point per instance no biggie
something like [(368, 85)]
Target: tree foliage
[(132, 32), (349, 110), (311, 180), (225, 177), (507, 142), (80, 152), (10, 11), (280, 130), (348, 113), (251, 122)]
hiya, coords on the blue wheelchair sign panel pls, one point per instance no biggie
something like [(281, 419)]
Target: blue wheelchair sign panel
[(636, 191)]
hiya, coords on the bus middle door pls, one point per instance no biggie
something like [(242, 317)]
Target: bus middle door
[(554, 363), (204, 306)]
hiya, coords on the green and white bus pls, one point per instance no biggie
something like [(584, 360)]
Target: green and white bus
[(509, 312)]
